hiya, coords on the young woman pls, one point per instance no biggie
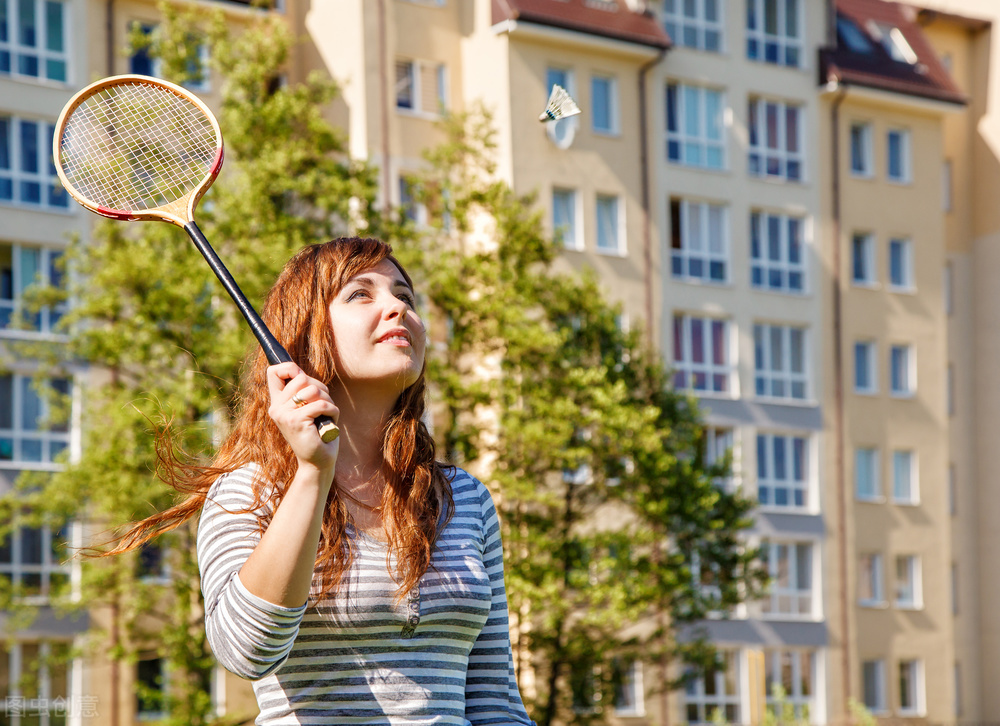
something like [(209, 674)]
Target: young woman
[(358, 581)]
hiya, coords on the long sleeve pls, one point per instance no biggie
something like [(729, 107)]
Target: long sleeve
[(249, 636), (491, 692)]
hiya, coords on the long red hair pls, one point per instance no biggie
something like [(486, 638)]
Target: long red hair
[(417, 496)]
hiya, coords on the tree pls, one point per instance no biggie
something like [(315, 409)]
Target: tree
[(163, 345), (608, 507)]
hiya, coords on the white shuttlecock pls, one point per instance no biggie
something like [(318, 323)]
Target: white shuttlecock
[(560, 105)]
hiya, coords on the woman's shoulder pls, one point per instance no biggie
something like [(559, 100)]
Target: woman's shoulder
[(467, 490), (239, 486)]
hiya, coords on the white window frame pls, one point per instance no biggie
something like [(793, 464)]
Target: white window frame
[(798, 661), (759, 38), (18, 435), (871, 578), (909, 593), (867, 351), (918, 696), (632, 685), (879, 706), (790, 485), (905, 247), (861, 148), (52, 196), (569, 235), (417, 67), (44, 55), (44, 706), (769, 374), (694, 227), (868, 457), (561, 132), (700, 141), (785, 267), (728, 702), (677, 25), (909, 371), (905, 175), (17, 569), (618, 224), (863, 244), (688, 369), (614, 112), (912, 495), (791, 601), (718, 441), (48, 316), (761, 155)]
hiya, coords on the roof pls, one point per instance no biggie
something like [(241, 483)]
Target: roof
[(880, 45), (605, 18)]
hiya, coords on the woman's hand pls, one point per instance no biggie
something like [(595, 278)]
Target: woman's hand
[(296, 401)]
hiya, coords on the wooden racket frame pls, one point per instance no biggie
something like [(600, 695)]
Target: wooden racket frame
[(181, 210)]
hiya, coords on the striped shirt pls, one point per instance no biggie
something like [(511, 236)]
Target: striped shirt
[(442, 655)]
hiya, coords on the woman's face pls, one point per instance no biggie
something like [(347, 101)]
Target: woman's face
[(378, 335)]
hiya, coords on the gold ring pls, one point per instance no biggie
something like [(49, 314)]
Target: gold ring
[(297, 401)]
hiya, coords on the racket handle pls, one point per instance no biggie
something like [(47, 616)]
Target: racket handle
[(273, 350)]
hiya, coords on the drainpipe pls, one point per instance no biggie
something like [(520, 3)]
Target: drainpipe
[(109, 31), (383, 80), (838, 387), (647, 243)]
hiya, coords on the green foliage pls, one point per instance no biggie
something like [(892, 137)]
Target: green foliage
[(606, 502), (860, 713)]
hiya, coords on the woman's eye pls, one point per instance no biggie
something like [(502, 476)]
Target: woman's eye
[(357, 294), (408, 299)]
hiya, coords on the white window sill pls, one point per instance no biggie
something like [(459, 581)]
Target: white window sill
[(874, 604), (695, 167), (688, 280), (870, 393), (906, 502), (781, 292), (914, 713), (904, 182), (800, 402), (612, 253), (903, 395), (870, 500), (778, 509), (866, 284), (414, 113), (862, 175), (909, 606), (902, 289), (68, 211)]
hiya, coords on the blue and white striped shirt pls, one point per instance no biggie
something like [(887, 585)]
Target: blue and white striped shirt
[(442, 655)]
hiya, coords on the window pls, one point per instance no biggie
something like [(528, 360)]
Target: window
[(870, 580), (420, 87), (26, 434), (894, 42), (898, 156), (27, 174), (873, 683), (863, 259), (902, 370), (793, 671), (718, 691), (867, 484), (780, 361), (901, 264), (702, 360), (911, 688), (904, 477), (908, 582), (865, 372), (783, 471), (35, 685), (774, 31), (413, 210), (33, 561), (861, 150), (790, 566), (695, 124), (699, 241), (776, 143), (561, 131), (609, 225), (20, 268), (151, 689), (694, 23), (630, 695), (719, 443), (604, 100), (777, 260), (145, 63), (564, 219), (33, 39)]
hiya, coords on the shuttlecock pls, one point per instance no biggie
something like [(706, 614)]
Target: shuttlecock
[(560, 105)]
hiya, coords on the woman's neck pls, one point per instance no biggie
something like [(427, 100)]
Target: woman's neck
[(362, 424)]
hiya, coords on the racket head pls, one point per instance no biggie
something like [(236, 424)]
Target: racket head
[(137, 148)]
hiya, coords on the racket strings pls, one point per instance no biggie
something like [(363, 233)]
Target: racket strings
[(136, 146)]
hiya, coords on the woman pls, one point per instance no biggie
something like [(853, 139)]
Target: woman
[(358, 581)]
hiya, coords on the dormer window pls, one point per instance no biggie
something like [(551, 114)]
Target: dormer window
[(893, 41), (851, 36)]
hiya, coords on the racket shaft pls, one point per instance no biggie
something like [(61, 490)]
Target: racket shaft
[(273, 350)]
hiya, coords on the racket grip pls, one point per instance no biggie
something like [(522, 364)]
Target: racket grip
[(328, 430)]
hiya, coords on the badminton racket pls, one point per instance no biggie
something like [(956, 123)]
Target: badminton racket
[(139, 148)]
